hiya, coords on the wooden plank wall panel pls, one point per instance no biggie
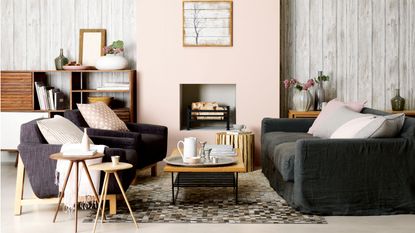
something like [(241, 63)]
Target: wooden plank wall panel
[(7, 42), (412, 53), (341, 49), (19, 35), (351, 51), (33, 31), (366, 46), (378, 54), (364, 57), (329, 45), (302, 34), (392, 49)]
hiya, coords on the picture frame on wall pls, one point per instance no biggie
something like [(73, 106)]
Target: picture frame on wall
[(91, 44), (207, 23)]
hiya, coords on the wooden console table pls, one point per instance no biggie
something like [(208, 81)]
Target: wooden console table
[(314, 114)]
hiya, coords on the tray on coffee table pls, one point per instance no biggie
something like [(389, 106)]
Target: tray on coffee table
[(222, 161)]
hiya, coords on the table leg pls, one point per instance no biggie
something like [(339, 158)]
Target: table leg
[(90, 180), (104, 198), (77, 194), (100, 200), (125, 198), (172, 188), (236, 188), (68, 173)]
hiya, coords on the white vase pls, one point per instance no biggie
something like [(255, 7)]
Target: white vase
[(302, 100), (85, 142), (111, 62)]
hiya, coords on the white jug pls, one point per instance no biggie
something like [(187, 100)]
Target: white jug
[(189, 148)]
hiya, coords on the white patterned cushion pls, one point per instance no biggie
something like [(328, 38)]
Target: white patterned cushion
[(59, 130), (371, 126), (100, 116)]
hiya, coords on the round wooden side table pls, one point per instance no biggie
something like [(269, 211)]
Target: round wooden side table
[(109, 169), (75, 160), (245, 141)]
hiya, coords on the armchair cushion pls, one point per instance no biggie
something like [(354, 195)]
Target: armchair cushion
[(59, 130), (99, 115)]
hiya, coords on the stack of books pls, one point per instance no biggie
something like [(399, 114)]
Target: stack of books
[(49, 98), (115, 86), (221, 150)]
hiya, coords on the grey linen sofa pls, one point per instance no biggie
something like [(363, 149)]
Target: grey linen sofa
[(339, 176)]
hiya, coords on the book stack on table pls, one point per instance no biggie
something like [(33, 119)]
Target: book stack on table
[(221, 150)]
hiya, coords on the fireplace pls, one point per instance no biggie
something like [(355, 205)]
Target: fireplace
[(218, 117)]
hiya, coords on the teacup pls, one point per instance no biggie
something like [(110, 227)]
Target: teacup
[(115, 160), (238, 127)]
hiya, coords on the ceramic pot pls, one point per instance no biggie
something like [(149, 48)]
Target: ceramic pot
[(111, 62), (302, 101)]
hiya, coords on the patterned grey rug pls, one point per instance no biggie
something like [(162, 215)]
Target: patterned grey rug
[(258, 204)]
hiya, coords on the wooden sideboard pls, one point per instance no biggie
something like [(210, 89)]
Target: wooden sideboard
[(19, 102), (314, 114)]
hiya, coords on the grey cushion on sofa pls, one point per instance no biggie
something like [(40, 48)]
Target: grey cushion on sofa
[(281, 149)]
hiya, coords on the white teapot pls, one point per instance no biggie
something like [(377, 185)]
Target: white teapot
[(189, 152)]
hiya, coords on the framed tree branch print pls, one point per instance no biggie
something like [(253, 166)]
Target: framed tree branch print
[(207, 23)]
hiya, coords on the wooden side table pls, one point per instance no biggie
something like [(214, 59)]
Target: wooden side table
[(75, 160), (109, 169), (245, 141)]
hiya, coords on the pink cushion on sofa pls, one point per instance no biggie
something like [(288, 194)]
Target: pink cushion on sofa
[(332, 106)]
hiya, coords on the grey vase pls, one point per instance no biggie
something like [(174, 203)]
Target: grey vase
[(319, 97), (61, 61)]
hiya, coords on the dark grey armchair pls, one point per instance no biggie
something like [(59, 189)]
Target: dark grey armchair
[(340, 176), (34, 152), (151, 140)]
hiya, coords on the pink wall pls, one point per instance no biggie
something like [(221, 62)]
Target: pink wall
[(163, 63)]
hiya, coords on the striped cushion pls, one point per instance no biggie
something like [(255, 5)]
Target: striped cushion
[(59, 130)]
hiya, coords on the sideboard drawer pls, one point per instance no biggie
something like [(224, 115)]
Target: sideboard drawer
[(17, 91)]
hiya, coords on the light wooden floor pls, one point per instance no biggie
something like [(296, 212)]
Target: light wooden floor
[(39, 219)]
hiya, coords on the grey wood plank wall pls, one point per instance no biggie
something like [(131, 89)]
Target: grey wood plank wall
[(367, 47), (33, 31)]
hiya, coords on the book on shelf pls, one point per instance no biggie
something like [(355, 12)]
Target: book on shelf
[(49, 98)]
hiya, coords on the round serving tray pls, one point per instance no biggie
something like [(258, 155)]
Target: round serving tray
[(178, 161)]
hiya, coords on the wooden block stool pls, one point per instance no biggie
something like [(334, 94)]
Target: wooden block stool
[(109, 169)]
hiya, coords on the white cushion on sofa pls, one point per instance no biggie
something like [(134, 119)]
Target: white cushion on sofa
[(59, 130), (330, 108), (371, 127), (335, 119)]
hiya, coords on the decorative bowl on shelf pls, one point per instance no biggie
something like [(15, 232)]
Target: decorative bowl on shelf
[(111, 62), (105, 99)]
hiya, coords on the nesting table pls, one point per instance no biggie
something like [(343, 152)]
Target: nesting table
[(75, 160), (109, 169)]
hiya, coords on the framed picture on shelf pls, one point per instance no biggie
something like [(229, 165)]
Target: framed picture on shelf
[(91, 44), (207, 23)]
